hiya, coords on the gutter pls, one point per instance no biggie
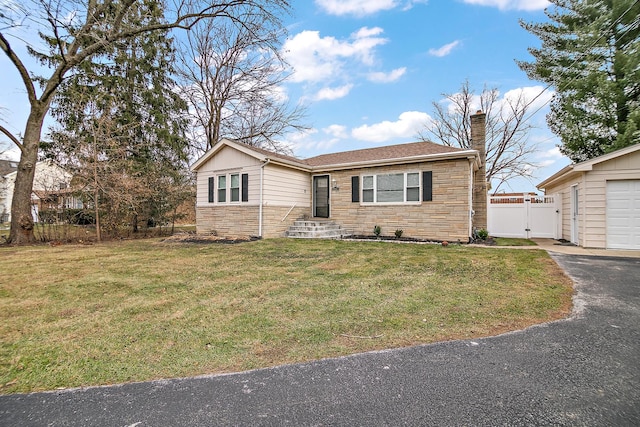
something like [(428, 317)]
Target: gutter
[(564, 173), (397, 161)]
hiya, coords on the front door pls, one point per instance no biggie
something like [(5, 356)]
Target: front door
[(321, 196)]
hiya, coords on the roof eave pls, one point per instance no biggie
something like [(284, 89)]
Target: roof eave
[(587, 165), (224, 142), (288, 163), (468, 154), (556, 177)]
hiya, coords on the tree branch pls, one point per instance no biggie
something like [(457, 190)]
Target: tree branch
[(11, 137), (22, 70)]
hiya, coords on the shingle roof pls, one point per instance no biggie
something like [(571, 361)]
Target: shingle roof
[(389, 152), (416, 151), (272, 154)]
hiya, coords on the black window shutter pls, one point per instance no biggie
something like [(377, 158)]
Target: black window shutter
[(355, 189), (245, 187), (427, 185), (212, 188)]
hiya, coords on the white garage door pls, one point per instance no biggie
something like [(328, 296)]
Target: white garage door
[(623, 214)]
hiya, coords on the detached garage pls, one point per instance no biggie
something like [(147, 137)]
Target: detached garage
[(600, 200)]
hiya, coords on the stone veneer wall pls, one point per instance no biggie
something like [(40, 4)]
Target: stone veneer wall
[(446, 217), (239, 220), (478, 142), (272, 224)]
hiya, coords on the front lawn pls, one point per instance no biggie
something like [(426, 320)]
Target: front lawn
[(138, 310), (504, 241)]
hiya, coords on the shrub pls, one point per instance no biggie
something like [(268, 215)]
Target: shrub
[(482, 234), (377, 230), (398, 233)]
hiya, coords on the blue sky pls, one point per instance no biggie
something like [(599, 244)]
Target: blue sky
[(369, 70)]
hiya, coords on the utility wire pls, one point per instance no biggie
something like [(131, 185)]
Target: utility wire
[(575, 61)]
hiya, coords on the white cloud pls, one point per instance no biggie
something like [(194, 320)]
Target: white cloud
[(309, 143), (366, 32), (329, 93), (444, 50), (538, 96), (410, 3), (528, 5), (355, 7), (316, 58), (408, 125), (364, 7), (549, 157), (381, 77), (337, 131), (546, 163)]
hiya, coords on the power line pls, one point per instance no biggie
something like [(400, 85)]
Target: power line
[(575, 61)]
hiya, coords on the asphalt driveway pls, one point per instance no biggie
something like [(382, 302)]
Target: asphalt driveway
[(581, 371)]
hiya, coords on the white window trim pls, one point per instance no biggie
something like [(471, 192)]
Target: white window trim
[(375, 190), (227, 188), (231, 188)]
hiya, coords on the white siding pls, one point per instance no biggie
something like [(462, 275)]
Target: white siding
[(563, 190), (228, 160), (286, 187), (621, 168), (592, 188)]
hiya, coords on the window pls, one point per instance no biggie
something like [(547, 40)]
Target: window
[(391, 188), (222, 189), (413, 187), (235, 187), (367, 189), (230, 188)]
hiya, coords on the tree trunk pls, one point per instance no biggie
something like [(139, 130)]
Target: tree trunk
[(21, 216)]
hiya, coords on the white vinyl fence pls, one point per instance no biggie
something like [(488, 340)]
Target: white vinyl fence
[(524, 216)]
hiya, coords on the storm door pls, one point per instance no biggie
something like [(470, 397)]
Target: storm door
[(321, 196)]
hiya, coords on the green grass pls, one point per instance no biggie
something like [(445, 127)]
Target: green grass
[(138, 310), (504, 241)]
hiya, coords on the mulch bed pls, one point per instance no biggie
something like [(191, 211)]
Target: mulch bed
[(205, 239)]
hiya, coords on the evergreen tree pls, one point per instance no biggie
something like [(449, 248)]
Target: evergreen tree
[(74, 33), (590, 55), (122, 128)]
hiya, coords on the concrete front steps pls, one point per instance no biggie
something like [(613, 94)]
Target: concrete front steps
[(315, 229)]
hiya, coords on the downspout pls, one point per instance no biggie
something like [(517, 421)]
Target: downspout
[(471, 212), (261, 196)]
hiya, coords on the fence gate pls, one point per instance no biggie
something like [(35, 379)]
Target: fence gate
[(524, 216)]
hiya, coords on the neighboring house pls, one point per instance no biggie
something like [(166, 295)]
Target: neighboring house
[(50, 191), (6, 167), (422, 188), (600, 200)]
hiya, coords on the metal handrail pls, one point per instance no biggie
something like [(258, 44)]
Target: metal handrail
[(285, 217)]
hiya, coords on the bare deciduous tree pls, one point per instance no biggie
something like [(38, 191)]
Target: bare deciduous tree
[(232, 77), (507, 129), (73, 32)]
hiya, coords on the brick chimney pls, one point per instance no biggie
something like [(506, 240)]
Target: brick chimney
[(478, 143)]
